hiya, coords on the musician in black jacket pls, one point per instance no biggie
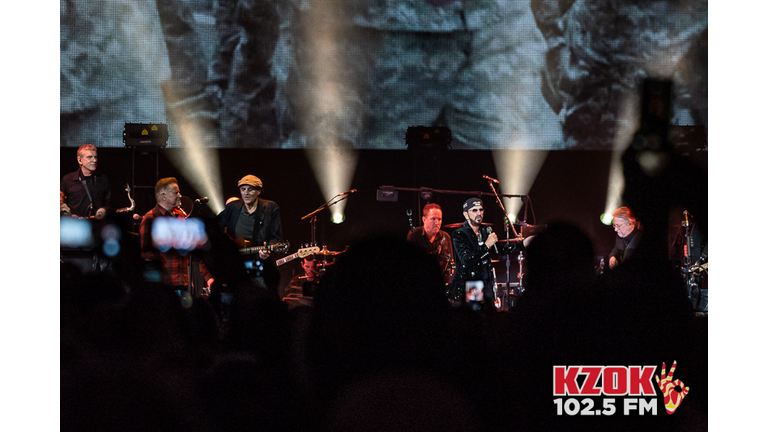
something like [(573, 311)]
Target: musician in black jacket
[(256, 221), (628, 236), (472, 245), (252, 218)]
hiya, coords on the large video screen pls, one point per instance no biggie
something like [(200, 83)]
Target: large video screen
[(499, 74)]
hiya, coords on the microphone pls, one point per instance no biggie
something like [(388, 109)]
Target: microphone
[(202, 200), (489, 230), (348, 192), (491, 179)]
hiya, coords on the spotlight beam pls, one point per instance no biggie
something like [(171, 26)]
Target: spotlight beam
[(517, 170), (328, 115), (333, 168), (622, 140), (199, 165)]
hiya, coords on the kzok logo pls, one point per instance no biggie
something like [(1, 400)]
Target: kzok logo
[(631, 383), (617, 381)]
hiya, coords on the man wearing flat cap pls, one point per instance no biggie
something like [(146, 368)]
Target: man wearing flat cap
[(253, 219), (472, 245)]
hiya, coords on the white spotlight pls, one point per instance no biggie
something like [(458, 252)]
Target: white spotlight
[(517, 170), (333, 168), (622, 140), (199, 165)]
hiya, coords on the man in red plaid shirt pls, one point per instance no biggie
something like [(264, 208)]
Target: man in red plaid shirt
[(175, 266)]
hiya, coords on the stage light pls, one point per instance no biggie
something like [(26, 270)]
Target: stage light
[(517, 170), (606, 218), (338, 218)]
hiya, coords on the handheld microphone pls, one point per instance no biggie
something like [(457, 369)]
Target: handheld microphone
[(489, 230), (491, 179), (202, 200)]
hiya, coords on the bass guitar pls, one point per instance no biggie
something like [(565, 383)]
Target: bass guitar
[(302, 253)]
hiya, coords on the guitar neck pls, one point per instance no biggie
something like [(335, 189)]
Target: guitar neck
[(303, 252), (267, 248), (289, 258)]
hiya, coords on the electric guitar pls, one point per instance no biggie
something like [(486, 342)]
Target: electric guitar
[(277, 248), (303, 252)]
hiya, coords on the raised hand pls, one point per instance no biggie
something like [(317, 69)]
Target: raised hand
[(672, 397)]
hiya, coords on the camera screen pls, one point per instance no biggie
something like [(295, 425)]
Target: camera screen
[(179, 234), (75, 233), (474, 291)]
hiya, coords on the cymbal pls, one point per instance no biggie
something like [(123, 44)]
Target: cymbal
[(326, 252), (456, 225)]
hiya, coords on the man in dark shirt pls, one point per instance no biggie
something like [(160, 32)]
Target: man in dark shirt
[(253, 221), (252, 218), (309, 274), (86, 192), (628, 235), (433, 240)]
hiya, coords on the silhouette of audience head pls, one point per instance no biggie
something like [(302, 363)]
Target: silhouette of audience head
[(381, 305), (560, 256)]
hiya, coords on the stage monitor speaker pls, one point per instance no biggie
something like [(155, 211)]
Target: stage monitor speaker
[(145, 135)]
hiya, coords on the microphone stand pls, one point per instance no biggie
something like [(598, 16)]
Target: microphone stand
[(520, 256), (313, 216), (505, 300), (690, 276)]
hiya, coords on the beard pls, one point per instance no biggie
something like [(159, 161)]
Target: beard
[(475, 222)]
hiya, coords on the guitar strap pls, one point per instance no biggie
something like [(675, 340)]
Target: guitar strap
[(260, 215), (87, 191)]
